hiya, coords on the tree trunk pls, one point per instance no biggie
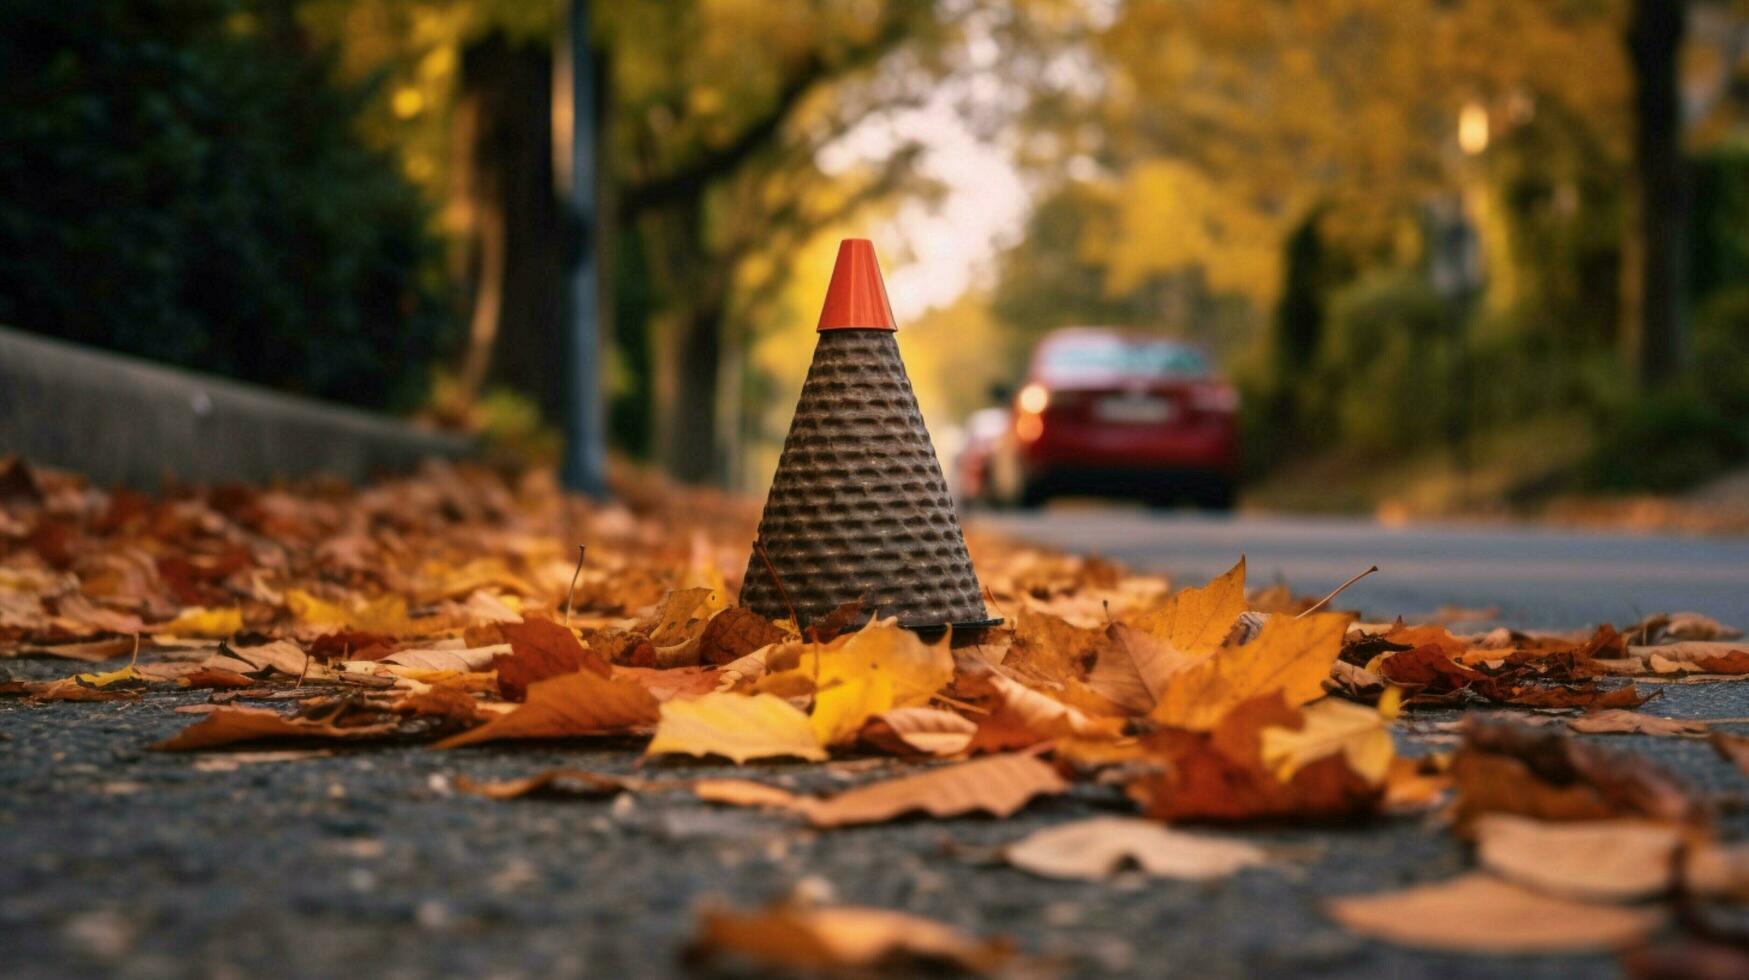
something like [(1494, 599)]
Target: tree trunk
[(1657, 209), (513, 221), (689, 444)]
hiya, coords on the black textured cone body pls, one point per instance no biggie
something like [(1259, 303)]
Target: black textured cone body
[(859, 508)]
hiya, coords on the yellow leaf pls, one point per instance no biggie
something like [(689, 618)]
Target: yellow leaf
[(1197, 620), (1292, 656), (213, 623), (386, 614), (736, 727), (583, 703), (107, 678), (1360, 733), (841, 710)]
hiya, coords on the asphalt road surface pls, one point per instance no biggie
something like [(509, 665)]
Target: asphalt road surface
[(116, 860), (1534, 577)]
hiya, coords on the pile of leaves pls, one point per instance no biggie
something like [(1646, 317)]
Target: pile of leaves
[(459, 607)]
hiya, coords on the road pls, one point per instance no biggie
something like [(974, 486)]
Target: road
[(1535, 577)]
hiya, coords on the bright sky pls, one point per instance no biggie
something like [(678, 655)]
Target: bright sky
[(932, 253)]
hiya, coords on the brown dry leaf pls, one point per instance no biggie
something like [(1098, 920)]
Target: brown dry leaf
[(1507, 768), (1415, 784), (1197, 620), (539, 649), (1615, 721), (791, 937), (734, 633), (1133, 670), (928, 731), (225, 726), (462, 660), (1478, 913), (282, 656), (1049, 649), (998, 785), (570, 783), (679, 625), (583, 703), (1025, 717), (746, 792), (1292, 656), (448, 703), (676, 682), (1098, 847), (1594, 860), (736, 727), (1719, 871), (208, 677), (1686, 959), (90, 651)]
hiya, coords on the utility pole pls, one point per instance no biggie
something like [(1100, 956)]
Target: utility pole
[(584, 467)]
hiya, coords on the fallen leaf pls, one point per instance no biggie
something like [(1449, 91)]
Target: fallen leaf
[(1099, 847), (462, 660), (1477, 913), (928, 731), (1133, 670), (1197, 620), (791, 937), (573, 783), (736, 727), (581, 703), (746, 792), (1292, 656), (1618, 722), (227, 725), (1733, 749), (1507, 768), (1718, 871), (1049, 649), (217, 624), (386, 614), (736, 632), (207, 677), (1596, 860), (1361, 735), (998, 785), (1686, 959), (539, 649)]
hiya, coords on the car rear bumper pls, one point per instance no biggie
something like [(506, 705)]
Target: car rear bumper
[(1128, 481)]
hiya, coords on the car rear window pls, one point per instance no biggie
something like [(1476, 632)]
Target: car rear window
[(1103, 356)]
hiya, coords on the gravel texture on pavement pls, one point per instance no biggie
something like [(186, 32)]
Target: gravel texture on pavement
[(116, 860)]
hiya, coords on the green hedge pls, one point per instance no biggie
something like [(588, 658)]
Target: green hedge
[(180, 183)]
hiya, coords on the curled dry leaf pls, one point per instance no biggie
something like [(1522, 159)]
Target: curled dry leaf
[(1595, 860), (926, 731), (1292, 656), (225, 726), (736, 727), (1478, 913), (1508, 768), (792, 937), (734, 633), (1099, 847), (998, 785), (1615, 721), (582, 703)]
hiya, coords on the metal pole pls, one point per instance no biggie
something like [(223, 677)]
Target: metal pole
[(584, 468)]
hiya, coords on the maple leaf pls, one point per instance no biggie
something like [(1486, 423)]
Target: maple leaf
[(1361, 735), (1197, 620), (1133, 670), (736, 727), (1047, 648), (1292, 656), (792, 937), (1476, 913), (580, 703), (539, 649), (736, 632)]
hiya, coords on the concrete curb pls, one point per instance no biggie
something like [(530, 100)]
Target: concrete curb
[(121, 420)]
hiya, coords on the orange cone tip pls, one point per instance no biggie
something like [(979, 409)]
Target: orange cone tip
[(857, 298)]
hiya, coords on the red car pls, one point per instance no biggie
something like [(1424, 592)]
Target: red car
[(1120, 413)]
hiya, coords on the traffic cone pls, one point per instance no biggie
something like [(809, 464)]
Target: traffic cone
[(859, 509)]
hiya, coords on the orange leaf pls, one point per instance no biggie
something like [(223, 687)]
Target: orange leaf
[(998, 785), (795, 938), (1292, 656), (224, 726), (1197, 620), (539, 649), (583, 703)]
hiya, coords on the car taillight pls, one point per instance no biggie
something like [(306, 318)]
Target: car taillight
[(1215, 399), (1034, 398)]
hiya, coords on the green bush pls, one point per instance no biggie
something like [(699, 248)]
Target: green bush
[(1385, 366), (183, 183)]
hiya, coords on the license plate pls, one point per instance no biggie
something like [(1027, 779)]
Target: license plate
[(1133, 409)]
